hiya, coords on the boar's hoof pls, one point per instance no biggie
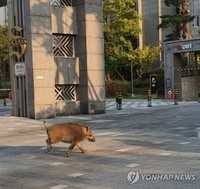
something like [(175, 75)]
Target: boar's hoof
[(47, 150), (68, 153), (83, 151)]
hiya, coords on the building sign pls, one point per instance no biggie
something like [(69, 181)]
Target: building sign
[(20, 69), (153, 84), (184, 47), (17, 42)]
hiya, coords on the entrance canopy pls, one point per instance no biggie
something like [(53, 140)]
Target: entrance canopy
[(181, 59)]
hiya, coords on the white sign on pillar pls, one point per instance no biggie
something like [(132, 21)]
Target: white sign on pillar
[(20, 69)]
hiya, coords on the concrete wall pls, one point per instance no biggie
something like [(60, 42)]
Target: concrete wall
[(190, 87)]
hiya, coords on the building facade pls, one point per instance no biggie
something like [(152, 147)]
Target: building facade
[(57, 57), (180, 58), (152, 10)]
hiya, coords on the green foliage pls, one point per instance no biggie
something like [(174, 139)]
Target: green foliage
[(140, 85), (178, 22), (3, 95), (4, 46), (144, 58), (174, 20), (4, 57), (175, 3), (116, 85), (121, 26)]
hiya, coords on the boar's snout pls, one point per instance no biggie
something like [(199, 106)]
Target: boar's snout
[(91, 138)]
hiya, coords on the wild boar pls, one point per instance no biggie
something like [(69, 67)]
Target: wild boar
[(68, 133)]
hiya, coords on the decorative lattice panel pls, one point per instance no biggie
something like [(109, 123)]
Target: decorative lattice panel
[(63, 45), (65, 92), (61, 2)]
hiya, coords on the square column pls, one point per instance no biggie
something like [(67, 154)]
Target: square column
[(39, 59), (89, 47)]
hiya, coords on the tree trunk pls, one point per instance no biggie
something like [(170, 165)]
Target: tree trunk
[(186, 26), (107, 76)]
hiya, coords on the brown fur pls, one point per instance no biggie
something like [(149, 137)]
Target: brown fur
[(68, 133)]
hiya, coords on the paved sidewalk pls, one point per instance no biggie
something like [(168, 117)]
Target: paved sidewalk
[(8, 102), (127, 104), (156, 146), (137, 103)]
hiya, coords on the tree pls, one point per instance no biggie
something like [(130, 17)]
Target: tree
[(4, 54), (121, 27), (179, 23), (4, 46), (144, 58)]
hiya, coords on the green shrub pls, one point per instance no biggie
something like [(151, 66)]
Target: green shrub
[(3, 94), (113, 86), (140, 85)]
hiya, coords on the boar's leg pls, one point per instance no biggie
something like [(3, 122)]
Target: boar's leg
[(49, 142), (81, 148), (49, 146), (70, 149)]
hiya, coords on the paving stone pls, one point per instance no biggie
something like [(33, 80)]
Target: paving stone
[(160, 140)]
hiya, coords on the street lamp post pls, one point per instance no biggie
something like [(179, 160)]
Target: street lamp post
[(132, 95)]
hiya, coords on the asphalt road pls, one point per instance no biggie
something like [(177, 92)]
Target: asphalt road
[(142, 148)]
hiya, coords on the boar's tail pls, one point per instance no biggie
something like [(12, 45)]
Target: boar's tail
[(45, 125), (46, 128)]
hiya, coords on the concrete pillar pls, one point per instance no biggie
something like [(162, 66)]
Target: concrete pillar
[(33, 91), (90, 50), (39, 59)]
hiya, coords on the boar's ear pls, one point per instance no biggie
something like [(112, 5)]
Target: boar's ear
[(88, 129)]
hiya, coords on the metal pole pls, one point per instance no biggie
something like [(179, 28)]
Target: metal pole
[(132, 95)]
